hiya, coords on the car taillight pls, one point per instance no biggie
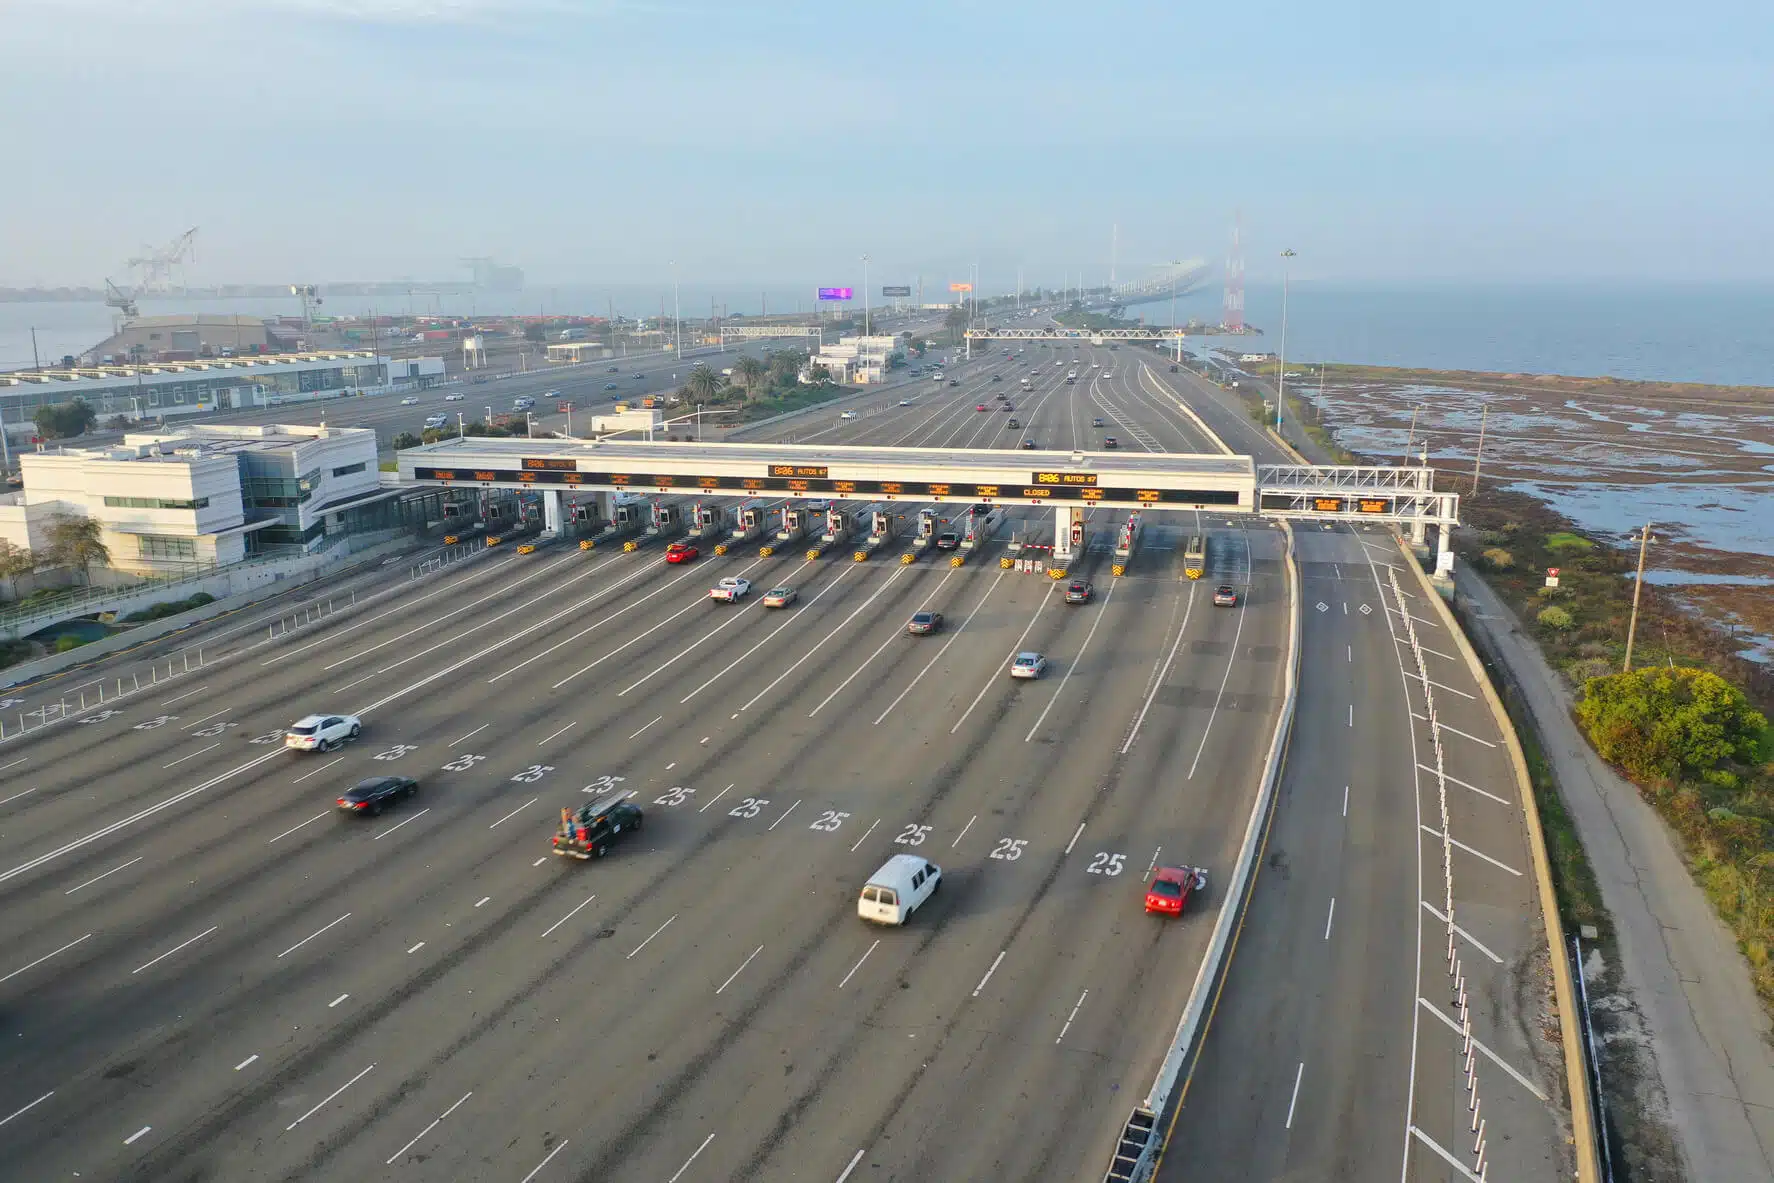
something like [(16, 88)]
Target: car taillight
[(342, 801)]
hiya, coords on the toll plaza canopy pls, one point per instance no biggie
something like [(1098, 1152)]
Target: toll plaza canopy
[(1028, 477)]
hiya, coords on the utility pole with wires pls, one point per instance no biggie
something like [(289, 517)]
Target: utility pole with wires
[(1478, 455), (1638, 586)]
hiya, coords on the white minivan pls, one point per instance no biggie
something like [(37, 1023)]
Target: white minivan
[(898, 889)]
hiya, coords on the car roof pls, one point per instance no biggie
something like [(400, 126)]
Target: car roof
[(1173, 874), (310, 720), (374, 782), (1026, 657), (922, 612)]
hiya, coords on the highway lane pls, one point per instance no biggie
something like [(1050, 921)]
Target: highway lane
[(273, 941)]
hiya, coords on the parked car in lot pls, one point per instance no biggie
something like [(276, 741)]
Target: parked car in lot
[(1225, 596), (1079, 591), (682, 552), (375, 794), (922, 624), (321, 733), (1028, 665), (780, 597), (1168, 893)]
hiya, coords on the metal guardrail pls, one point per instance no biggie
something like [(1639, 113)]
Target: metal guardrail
[(100, 692), (449, 554)]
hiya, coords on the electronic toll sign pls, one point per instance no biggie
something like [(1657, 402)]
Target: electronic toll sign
[(817, 479)]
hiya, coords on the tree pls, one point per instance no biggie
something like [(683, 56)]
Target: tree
[(785, 366), (407, 439), (819, 375), (1661, 724), (955, 322), (15, 561), (60, 421), (535, 332), (703, 385), (77, 542), (748, 371)]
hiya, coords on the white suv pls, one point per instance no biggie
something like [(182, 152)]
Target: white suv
[(321, 733)]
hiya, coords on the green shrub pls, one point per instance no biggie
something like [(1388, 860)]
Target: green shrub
[(1666, 723), (63, 644), (1563, 540), (1556, 619), (1499, 559)]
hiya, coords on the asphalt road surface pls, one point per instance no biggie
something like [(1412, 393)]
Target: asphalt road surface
[(209, 974)]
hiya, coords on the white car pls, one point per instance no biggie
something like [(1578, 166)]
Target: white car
[(905, 402), (454, 398), (730, 589), (1028, 665), (847, 414), (435, 421), (411, 400), (321, 733)]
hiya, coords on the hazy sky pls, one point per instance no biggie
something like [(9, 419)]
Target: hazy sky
[(775, 141)]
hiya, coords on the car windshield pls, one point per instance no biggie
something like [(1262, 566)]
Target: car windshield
[(1166, 887), (1078, 587), (1026, 661), (921, 618)]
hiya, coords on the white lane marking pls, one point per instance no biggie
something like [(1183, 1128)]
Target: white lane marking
[(293, 829), (637, 638), (310, 937), (515, 812), (132, 862), (559, 733), (182, 697), (540, 861), (1351, 714), (1346, 800), (1470, 939), (437, 1121), (1157, 682), (897, 633), (354, 682), (317, 771), (1489, 1054), (937, 656), (1473, 851), (865, 834), (668, 768), (1048, 595), (398, 825), (650, 937), (963, 832), (27, 1108), (139, 1133), (417, 947), (1237, 635), (292, 1125), (851, 1167), (482, 900), (470, 735), (858, 965), (545, 1162), (1072, 665), (138, 969), (1330, 917), (770, 636), (785, 814), (1442, 686), (691, 1159), (989, 973), (21, 969), (1298, 1073), (16, 796), (1073, 1015), (1075, 834), (337, 1001), (1412, 1131), (741, 968), (619, 585), (1464, 785), (1424, 648), (206, 718), (1444, 727), (715, 798), (212, 747), (1349, 653), (1153, 865), (246, 1063), (13, 764), (655, 719), (550, 929), (150, 811)]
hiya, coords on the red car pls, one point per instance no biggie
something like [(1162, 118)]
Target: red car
[(981, 407), (681, 552), (1171, 887)]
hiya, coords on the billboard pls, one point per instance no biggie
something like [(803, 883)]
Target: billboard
[(896, 291), (960, 287), (835, 293)]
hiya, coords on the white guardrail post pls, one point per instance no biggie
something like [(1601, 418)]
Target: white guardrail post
[(1231, 905)]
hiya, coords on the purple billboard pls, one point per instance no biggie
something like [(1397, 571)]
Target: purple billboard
[(835, 293)]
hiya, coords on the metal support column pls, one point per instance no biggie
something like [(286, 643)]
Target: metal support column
[(551, 510)]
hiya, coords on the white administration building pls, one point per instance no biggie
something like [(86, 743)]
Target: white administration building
[(204, 495)]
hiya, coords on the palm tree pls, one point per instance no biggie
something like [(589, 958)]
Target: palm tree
[(747, 372), (77, 542), (703, 385), (785, 365)]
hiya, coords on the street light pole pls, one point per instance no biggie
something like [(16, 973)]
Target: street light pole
[(677, 321), (461, 426), (1637, 587), (865, 295), (1281, 380)]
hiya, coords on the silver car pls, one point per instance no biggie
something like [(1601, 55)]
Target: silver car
[(1028, 665)]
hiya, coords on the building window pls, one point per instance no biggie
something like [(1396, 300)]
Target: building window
[(159, 546), (155, 503), (348, 469)]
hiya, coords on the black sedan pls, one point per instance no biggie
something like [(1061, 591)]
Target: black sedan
[(370, 796)]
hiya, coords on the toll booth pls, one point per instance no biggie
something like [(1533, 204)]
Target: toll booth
[(705, 520), (837, 526), (794, 523), (981, 525), (926, 535), (750, 521), (1127, 538), (628, 513), (1195, 557), (880, 527), (664, 519), (1068, 535)]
